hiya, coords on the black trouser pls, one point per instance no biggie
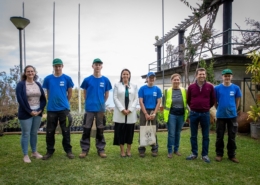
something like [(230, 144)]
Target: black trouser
[(53, 117), (232, 126), (87, 125), (155, 147)]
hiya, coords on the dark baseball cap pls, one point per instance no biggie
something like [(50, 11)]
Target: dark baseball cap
[(57, 61), (97, 60), (227, 71)]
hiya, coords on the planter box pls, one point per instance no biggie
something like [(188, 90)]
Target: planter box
[(255, 130)]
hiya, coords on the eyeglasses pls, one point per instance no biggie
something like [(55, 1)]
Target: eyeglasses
[(29, 71)]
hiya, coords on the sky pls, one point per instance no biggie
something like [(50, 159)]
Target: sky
[(119, 32)]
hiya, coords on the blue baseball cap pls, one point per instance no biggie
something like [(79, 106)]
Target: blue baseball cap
[(150, 74)]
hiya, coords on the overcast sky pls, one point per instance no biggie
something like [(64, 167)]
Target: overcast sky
[(119, 32)]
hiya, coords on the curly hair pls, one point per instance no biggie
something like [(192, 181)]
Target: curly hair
[(24, 77)]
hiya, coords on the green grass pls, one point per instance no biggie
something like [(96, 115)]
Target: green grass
[(134, 171)]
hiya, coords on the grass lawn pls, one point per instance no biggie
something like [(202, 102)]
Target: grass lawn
[(129, 171)]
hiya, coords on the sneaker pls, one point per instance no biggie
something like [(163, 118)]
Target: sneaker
[(142, 154), (36, 155), (70, 155), (102, 155), (235, 160), (46, 156), (169, 155), (83, 154), (205, 159), (177, 153), (154, 154), (26, 159), (218, 158), (191, 157)]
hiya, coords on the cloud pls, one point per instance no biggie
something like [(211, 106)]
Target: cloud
[(120, 32)]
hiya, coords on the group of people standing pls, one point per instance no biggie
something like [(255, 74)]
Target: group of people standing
[(179, 103)]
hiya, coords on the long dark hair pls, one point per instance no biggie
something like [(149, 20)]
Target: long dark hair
[(122, 73), (24, 77)]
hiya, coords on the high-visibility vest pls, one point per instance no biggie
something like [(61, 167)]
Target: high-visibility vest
[(168, 104)]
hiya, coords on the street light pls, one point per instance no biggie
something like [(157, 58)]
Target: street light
[(20, 23)]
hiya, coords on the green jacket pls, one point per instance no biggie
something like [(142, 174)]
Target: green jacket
[(168, 104)]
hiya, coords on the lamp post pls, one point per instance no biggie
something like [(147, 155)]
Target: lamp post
[(20, 23)]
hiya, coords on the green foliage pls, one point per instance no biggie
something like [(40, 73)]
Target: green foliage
[(77, 118), (254, 113), (109, 116), (210, 77), (254, 67), (160, 119), (13, 123)]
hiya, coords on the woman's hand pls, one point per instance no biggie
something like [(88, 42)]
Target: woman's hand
[(152, 116), (124, 112), (35, 113)]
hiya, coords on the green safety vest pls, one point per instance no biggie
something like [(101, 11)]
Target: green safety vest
[(168, 104)]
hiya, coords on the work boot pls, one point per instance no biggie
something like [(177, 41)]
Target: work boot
[(83, 154), (218, 158), (102, 154), (70, 155), (233, 159), (46, 156)]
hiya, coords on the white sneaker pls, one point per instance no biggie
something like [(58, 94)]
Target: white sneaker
[(26, 159), (36, 155)]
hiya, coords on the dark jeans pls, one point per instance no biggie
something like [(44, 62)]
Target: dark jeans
[(143, 122), (204, 119), (87, 125), (53, 117), (232, 126)]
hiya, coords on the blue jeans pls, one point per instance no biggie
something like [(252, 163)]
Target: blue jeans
[(29, 129), (204, 119), (175, 124)]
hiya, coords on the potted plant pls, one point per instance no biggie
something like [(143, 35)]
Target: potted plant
[(254, 115)]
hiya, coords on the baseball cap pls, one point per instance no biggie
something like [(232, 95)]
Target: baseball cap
[(57, 61), (226, 71), (97, 60), (150, 74)]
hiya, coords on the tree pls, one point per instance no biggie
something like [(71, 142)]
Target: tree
[(200, 36), (8, 103), (74, 101), (249, 40)]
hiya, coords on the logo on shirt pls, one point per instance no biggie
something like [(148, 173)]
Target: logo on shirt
[(232, 93), (62, 83), (102, 84), (154, 93)]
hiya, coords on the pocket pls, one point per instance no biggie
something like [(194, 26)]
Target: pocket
[(84, 119), (68, 120), (235, 125)]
